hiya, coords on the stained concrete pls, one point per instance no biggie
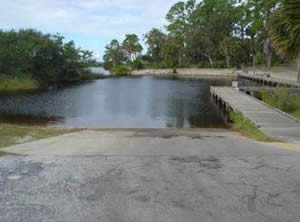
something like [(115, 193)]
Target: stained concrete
[(150, 175)]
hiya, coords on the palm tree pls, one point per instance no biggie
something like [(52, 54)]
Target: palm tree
[(284, 29)]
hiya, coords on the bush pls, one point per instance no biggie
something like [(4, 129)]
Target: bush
[(137, 65), (283, 99), (120, 70), (14, 85), (215, 65), (87, 75)]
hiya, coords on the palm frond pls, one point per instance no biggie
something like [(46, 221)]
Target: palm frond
[(284, 29)]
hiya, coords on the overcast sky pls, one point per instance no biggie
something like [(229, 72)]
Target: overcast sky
[(90, 23)]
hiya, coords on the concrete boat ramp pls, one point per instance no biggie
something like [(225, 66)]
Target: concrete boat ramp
[(272, 122), (149, 175)]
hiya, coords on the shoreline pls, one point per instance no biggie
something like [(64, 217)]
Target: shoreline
[(187, 73)]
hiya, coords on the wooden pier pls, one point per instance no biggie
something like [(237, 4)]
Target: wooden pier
[(268, 81), (272, 122)]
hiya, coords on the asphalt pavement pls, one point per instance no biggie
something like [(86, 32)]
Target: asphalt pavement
[(150, 175)]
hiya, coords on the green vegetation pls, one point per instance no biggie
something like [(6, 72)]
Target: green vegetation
[(87, 75), (117, 56), (30, 59), (12, 85), (14, 134), (285, 30), (2, 153), (246, 127), (215, 34), (284, 100), (120, 70), (137, 64)]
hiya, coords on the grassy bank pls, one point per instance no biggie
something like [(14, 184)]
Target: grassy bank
[(15, 134), (88, 75), (246, 127), (120, 70), (13, 85), (284, 100), (2, 153)]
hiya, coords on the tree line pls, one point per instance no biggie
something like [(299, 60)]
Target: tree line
[(127, 52), (216, 33), (46, 58)]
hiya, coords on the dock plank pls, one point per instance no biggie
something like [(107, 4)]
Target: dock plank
[(272, 122), (270, 80)]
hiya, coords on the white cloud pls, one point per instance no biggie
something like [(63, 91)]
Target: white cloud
[(102, 17), (105, 19)]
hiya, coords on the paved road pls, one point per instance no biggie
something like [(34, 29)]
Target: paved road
[(150, 175)]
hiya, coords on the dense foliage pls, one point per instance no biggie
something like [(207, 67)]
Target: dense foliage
[(285, 30), (214, 33), (283, 99), (120, 70), (117, 54), (29, 54)]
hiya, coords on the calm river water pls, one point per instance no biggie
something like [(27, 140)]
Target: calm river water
[(118, 103)]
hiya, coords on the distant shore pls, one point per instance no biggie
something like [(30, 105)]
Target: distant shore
[(186, 73)]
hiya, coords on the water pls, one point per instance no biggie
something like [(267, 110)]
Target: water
[(118, 103), (99, 70)]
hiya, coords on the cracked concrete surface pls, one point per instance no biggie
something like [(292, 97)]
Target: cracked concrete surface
[(150, 175)]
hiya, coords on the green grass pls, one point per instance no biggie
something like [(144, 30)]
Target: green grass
[(296, 114), (120, 70), (16, 134), (2, 153), (284, 100), (246, 127), (14, 85)]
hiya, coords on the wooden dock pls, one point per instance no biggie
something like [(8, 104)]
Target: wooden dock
[(272, 122), (268, 81), (269, 89)]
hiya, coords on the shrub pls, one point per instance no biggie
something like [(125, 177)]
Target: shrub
[(137, 64), (87, 75), (120, 70), (282, 99), (216, 65), (13, 85)]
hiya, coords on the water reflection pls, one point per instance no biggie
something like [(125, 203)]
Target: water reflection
[(120, 103)]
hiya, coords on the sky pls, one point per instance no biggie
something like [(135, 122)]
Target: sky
[(90, 23)]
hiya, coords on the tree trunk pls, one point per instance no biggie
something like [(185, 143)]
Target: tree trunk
[(269, 62), (208, 57), (298, 68), (210, 60), (254, 63), (227, 61), (179, 57), (268, 53)]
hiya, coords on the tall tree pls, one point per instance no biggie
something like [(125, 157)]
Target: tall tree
[(179, 19), (27, 53), (132, 46), (257, 14), (171, 51), (155, 39), (285, 31), (113, 55), (229, 47), (216, 20)]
